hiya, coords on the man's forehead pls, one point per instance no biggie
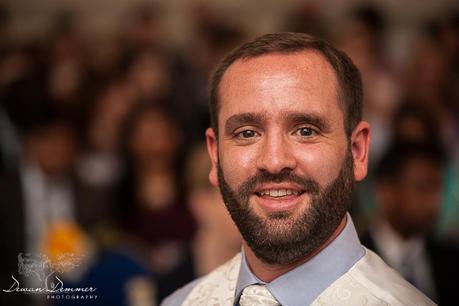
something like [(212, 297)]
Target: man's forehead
[(299, 76), (304, 62)]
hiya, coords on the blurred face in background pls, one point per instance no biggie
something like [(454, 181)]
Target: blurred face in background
[(154, 137), (428, 67), (149, 76), (53, 148), (357, 41), (412, 128), (412, 200), (205, 201)]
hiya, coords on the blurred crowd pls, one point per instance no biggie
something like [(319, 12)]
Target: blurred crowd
[(102, 153)]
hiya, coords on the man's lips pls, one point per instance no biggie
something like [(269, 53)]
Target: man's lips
[(278, 190), (278, 197), (278, 193)]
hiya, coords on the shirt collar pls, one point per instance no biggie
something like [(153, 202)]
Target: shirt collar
[(302, 285)]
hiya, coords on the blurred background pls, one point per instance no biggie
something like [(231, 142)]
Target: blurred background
[(103, 108)]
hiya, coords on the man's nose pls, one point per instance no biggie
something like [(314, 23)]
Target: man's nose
[(275, 155)]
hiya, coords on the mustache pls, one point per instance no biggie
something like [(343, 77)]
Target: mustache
[(285, 176)]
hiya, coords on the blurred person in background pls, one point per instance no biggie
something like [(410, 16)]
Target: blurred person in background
[(18, 63), (139, 76), (100, 165), (151, 205), (449, 37), (41, 197), (414, 122), (362, 37), (14, 64), (65, 60), (143, 29), (216, 239), (449, 43), (48, 210), (148, 75), (408, 190), (428, 80), (212, 35)]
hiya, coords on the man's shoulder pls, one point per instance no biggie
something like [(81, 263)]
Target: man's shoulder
[(214, 278), (373, 281)]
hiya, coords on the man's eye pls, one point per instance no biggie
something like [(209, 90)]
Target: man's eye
[(247, 134), (305, 132)]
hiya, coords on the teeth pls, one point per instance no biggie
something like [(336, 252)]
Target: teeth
[(276, 193)]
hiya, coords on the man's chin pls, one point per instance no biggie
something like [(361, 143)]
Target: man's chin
[(278, 225), (277, 241)]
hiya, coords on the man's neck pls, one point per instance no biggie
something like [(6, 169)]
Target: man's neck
[(267, 272)]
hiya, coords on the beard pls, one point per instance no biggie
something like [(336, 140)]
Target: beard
[(281, 238)]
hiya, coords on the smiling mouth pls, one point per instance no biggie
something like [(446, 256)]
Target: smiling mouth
[(278, 193)]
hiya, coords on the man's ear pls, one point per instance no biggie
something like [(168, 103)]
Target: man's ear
[(212, 149), (360, 145)]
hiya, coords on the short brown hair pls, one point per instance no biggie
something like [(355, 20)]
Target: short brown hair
[(350, 83)]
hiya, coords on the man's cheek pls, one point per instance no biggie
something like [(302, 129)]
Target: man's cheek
[(237, 166), (232, 174), (320, 166)]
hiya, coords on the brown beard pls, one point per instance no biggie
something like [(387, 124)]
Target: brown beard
[(281, 238)]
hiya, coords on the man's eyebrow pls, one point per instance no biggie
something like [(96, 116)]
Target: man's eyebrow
[(312, 119), (238, 120)]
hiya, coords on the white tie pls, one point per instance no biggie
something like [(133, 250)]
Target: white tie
[(255, 295)]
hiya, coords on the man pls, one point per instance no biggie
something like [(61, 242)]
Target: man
[(409, 189), (286, 144)]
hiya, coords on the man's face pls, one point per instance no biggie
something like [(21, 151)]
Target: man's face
[(283, 162)]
